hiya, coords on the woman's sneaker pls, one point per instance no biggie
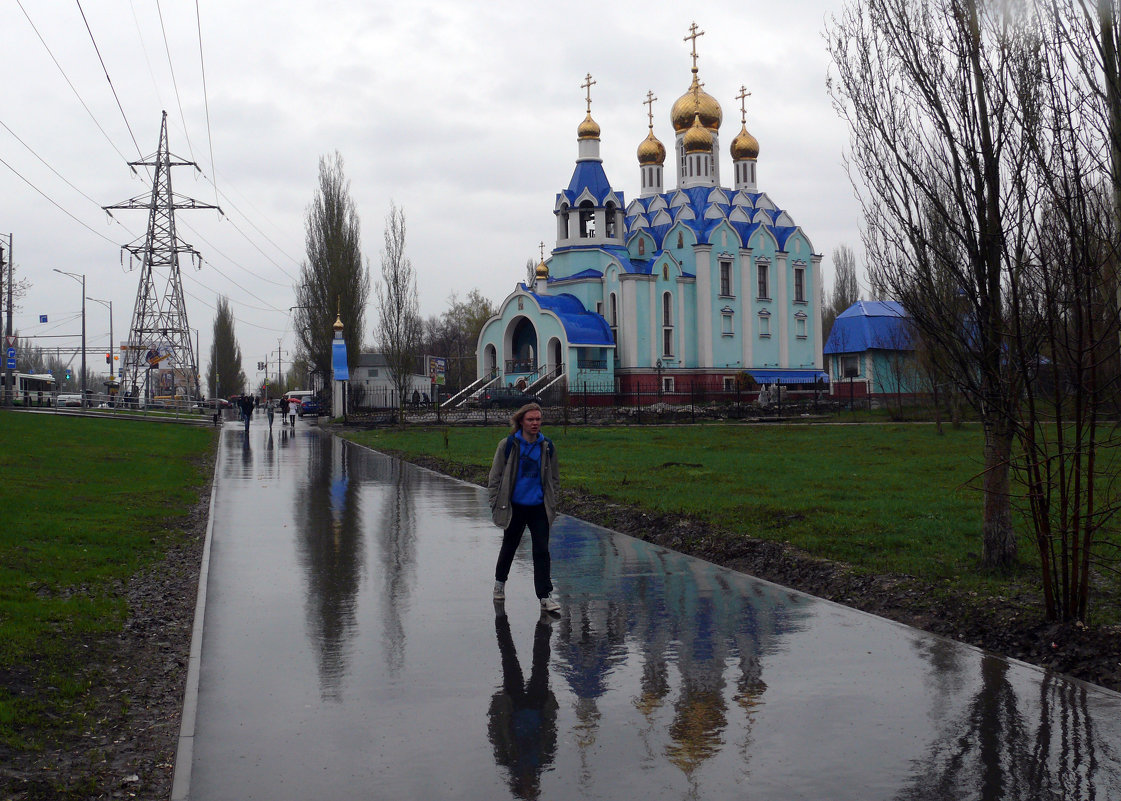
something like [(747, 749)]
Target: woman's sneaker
[(549, 605), (500, 590)]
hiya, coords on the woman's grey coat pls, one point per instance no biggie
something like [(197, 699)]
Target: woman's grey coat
[(504, 472)]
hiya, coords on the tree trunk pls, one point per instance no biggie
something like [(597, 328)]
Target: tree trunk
[(998, 549)]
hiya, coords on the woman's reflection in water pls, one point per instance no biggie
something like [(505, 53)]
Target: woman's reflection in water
[(523, 715)]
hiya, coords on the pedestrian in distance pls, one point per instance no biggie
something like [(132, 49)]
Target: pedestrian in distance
[(246, 404), (268, 413), (293, 407), (523, 486)]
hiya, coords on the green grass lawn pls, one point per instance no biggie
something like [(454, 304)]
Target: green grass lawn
[(85, 503), (883, 498)]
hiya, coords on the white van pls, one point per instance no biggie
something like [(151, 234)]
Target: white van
[(297, 394)]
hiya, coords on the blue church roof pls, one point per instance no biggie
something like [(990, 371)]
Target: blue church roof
[(589, 175), (870, 324), (582, 326)]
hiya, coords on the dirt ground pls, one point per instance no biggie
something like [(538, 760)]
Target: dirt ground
[(126, 747)]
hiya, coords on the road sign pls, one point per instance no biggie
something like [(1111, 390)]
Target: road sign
[(11, 364), (42, 318), (9, 341), (11, 353)]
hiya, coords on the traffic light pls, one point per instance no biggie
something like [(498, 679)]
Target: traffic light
[(108, 358), (68, 374)]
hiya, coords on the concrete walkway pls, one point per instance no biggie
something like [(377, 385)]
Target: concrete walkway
[(351, 650)]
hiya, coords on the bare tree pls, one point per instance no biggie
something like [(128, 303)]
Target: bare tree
[(455, 335), (334, 281), (1066, 314), (846, 289), (398, 328), (923, 85)]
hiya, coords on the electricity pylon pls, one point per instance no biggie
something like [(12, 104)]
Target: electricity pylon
[(160, 337)]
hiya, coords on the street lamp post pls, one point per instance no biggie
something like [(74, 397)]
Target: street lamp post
[(108, 304), (82, 278)]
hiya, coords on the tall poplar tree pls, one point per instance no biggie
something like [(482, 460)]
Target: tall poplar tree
[(225, 376), (334, 280)]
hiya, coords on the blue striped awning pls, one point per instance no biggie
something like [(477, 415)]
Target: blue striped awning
[(789, 376)]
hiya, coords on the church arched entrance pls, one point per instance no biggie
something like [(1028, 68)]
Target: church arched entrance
[(523, 349), (555, 356), (490, 360)]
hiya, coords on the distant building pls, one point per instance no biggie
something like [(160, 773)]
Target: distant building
[(687, 286), (871, 351), (372, 387)]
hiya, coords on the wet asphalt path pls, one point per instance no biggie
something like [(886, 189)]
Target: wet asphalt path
[(351, 651)]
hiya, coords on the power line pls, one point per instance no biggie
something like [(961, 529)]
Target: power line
[(70, 83), (48, 166), (55, 204), (175, 83), (206, 104), (110, 80)]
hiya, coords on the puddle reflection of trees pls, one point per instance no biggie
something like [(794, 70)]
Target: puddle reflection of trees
[(1002, 747), (331, 550)]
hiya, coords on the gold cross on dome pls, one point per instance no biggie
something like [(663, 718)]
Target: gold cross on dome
[(588, 84), (742, 96), (649, 103), (693, 34), (542, 247)]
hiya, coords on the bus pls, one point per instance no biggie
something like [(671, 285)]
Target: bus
[(33, 389)]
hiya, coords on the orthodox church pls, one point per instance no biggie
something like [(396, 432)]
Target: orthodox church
[(687, 286)]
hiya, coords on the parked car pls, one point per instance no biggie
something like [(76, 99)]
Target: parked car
[(505, 397), (309, 406), (215, 403), (68, 399)]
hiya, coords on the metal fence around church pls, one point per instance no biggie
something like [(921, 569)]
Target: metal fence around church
[(699, 399)]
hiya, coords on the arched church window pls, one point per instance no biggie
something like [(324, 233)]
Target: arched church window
[(564, 222), (665, 272), (613, 321), (680, 240), (641, 246), (609, 220), (587, 220), (667, 308)]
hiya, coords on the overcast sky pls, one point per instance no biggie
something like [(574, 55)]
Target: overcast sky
[(464, 114)]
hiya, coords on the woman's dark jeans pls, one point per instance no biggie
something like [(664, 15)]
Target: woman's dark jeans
[(538, 521)]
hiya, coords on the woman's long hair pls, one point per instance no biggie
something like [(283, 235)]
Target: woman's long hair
[(516, 417)]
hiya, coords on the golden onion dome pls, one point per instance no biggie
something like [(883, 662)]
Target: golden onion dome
[(589, 128), (651, 151), (542, 271), (744, 146), (696, 101), (697, 139), (338, 326)]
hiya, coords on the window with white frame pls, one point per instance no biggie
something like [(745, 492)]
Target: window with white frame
[(764, 324), (762, 269), (667, 324), (800, 325), (613, 320), (667, 383), (728, 326), (850, 366), (726, 278), (729, 383), (799, 284)]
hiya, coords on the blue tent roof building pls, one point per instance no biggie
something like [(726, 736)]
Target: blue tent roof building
[(679, 285)]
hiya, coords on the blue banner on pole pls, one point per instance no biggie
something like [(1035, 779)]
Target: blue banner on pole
[(338, 360)]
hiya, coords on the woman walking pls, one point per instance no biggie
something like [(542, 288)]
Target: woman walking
[(523, 487)]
